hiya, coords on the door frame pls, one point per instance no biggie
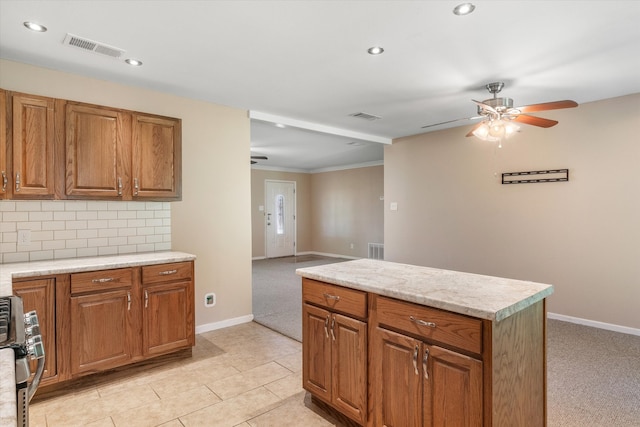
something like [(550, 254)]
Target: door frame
[(295, 215)]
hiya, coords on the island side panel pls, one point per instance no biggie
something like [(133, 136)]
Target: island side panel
[(518, 357)]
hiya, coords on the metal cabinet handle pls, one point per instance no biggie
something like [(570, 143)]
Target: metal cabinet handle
[(146, 299), (333, 297), (326, 326), (422, 322), (17, 181), (129, 301), (167, 272), (333, 324), (424, 364), (136, 186), (119, 186), (104, 280), (415, 359), (4, 181)]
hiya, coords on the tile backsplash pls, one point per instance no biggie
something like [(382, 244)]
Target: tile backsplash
[(69, 229)]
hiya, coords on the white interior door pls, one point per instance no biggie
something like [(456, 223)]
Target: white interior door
[(280, 217)]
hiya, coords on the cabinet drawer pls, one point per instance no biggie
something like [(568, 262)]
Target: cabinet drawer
[(94, 281), (338, 298), (167, 272), (431, 323)]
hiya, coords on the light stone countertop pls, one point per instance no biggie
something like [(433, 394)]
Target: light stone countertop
[(484, 297), (8, 411), (8, 272)]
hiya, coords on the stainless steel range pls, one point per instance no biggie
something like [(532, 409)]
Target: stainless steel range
[(21, 332)]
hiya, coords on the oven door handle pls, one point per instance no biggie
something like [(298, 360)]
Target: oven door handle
[(36, 378)]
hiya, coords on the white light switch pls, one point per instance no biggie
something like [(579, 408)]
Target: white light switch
[(393, 206), (261, 208), (24, 237)]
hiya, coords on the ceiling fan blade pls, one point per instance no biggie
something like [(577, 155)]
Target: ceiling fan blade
[(260, 157), (451, 121), (556, 105), (535, 121), (473, 129)]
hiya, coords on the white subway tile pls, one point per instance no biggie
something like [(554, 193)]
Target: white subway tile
[(166, 222), (87, 215), (107, 215), (15, 216), (115, 206), (102, 241), (76, 243), (65, 253), (123, 232), (126, 214), (65, 234), (10, 237), (153, 206), (33, 246), (76, 225), (33, 226), (153, 222), (87, 251), (166, 237), (162, 214), (28, 206), (144, 231), (162, 246), (15, 257), (7, 247), (7, 206), (117, 223), (108, 250), (134, 223), (75, 205), (87, 234), (97, 205), (144, 214), (101, 223), (53, 206), (38, 236), (108, 232), (136, 240), (117, 241), (145, 248), (40, 255), (53, 225), (126, 249), (7, 226), (41, 216), (163, 230), (153, 238), (53, 244), (64, 216)]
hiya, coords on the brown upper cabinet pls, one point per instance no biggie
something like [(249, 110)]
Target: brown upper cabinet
[(53, 148), (4, 177), (156, 157), (28, 151)]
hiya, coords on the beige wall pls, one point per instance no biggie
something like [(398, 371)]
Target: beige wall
[(303, 208), (583, 236), (346, 209), (213, 219)]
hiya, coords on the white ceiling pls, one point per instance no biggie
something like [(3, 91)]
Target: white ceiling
[(306, 62)]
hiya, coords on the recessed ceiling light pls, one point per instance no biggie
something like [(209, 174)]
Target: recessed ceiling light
[(35, 27), (133, 62), (280, 125), (463, 9), (376, 50)]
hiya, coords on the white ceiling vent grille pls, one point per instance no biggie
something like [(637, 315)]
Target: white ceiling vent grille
[(365, 116), (93, 46)]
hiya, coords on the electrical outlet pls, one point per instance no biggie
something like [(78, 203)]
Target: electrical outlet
[(351, 246), (210, 300), (24, 237)]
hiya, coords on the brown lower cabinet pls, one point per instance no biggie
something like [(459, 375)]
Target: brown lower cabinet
[(421, 366), (100, 320)]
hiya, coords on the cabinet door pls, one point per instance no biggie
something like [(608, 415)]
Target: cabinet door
[(32, 147), (349, 360), (97, 152), (4, 137), (398, 380), (156, 157), (39, 295), (316, 352), (168, 318), (100, 331), (452, 388)]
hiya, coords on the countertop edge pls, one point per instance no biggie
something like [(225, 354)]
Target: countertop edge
[(8, 412), (8, 272), (393, 292)]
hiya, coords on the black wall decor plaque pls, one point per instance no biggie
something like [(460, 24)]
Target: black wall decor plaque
[(551, 175)]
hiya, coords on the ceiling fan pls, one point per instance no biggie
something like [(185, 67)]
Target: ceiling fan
[(498, 115), (255, 158)]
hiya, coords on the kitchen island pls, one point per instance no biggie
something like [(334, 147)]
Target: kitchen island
[(155, 279), (395, 344)]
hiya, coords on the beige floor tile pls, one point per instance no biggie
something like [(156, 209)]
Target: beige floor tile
[(292, 413), (233, 411), (292, 362), (172, 423), (287, 386), (248, 380), (105, 422), (166, 410)]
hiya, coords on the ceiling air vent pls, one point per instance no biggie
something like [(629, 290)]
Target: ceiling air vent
[(365, 116), (93, 46)]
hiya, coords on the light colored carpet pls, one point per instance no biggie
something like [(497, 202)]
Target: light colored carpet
[(277, 292), (593, 375)]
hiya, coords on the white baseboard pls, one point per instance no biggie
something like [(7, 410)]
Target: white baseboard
[(224, 324), (595, 324), (258, 257), (332, 255)]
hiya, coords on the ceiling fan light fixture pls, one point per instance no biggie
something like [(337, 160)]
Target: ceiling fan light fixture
[(464, 9), (133, 62), (33, 26), (375, 50)]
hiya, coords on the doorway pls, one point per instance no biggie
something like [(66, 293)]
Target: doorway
[(280, 226)]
